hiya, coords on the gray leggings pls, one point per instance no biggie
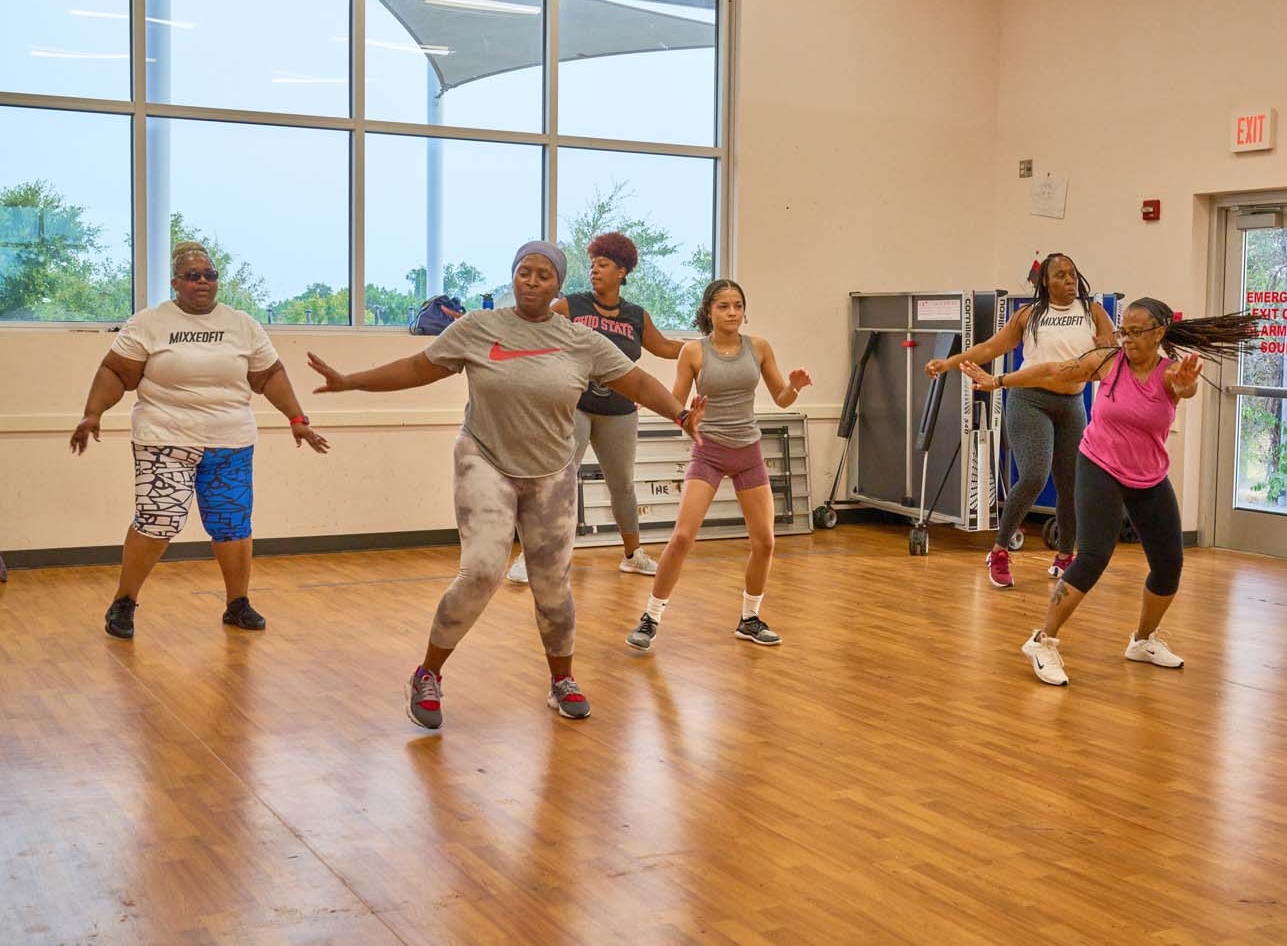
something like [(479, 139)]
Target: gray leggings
[(615, 437), (1044, 430), (489, 505)]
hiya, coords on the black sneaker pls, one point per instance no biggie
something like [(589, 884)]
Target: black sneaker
[(754, 630), (120, 618), (241, 614), (641, 637)]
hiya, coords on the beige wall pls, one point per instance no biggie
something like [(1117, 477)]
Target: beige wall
[(863, 161), (1133, 101)]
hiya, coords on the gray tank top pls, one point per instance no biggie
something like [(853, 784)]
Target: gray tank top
[(729, 383)]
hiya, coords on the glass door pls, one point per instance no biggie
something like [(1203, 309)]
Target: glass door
[(1251, 478)]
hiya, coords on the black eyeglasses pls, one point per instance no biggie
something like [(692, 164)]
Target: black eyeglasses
[(196, 275), (1135, 332)]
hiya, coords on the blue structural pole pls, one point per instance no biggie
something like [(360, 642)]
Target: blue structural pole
[(158, 153), (433, 188)]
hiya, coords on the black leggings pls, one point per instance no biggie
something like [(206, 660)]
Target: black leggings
[(1154, 513)]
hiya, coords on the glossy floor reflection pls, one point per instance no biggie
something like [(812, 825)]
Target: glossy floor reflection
[(892, 774)]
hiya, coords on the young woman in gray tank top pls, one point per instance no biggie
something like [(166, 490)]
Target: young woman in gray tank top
[(727, 367), (1044, 425)]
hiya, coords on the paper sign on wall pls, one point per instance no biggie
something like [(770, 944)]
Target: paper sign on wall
[(1049, 195), (938, 310)]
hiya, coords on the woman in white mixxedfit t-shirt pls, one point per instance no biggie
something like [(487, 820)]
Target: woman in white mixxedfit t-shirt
[(195, 363)]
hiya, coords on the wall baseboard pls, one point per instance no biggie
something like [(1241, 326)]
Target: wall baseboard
[(198, 551)]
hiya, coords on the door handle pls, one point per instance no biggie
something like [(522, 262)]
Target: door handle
[(1248, 390)]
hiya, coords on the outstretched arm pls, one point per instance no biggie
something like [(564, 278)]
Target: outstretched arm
[(1092, 366), (657, 343), (784, 392), (115, 375), (274, 384), (1006, 340), (647, 391), (413, 371)]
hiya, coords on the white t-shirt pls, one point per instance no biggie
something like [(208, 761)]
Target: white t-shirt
[(194, 391), (1064, 334)]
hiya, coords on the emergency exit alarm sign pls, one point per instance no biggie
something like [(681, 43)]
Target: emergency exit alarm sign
[(1253, 130)]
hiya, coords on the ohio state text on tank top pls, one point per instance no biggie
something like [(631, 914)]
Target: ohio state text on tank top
[(625, 330), (1127, 432)]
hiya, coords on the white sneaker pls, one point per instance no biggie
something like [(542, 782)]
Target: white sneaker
[(1152, 650), (639, 563), (1047, 664), (518, 571)]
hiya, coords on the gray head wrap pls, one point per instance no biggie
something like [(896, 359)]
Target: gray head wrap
[(546, 249)]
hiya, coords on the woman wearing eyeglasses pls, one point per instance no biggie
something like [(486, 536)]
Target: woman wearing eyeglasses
[(194, 363), (1123, 462), (1044, 425)]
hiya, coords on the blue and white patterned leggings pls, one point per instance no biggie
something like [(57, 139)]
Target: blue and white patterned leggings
[(165, 479)]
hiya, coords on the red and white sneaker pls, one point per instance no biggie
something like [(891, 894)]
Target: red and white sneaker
[(566, 697), (424, 699), (999, 569), (1060, 565)]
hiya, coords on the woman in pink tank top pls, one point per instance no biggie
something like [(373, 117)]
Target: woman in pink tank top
[(1123, 463)]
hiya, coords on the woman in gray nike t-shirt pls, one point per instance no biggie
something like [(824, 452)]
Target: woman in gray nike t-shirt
[(526, 368)]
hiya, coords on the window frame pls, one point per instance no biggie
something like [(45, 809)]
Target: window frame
[(357, 126)]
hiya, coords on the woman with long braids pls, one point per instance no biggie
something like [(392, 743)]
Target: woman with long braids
[(603, 417), (727, 367), (1044, 424), (1123, 462)]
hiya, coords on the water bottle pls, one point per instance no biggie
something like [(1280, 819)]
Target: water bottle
[(488, 302)]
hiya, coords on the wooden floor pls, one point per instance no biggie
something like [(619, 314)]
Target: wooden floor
[(892, 774)]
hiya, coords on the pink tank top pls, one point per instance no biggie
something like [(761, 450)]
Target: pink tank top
[(1128, 425)]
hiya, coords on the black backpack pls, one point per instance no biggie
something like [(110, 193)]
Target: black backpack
[(435, 315)]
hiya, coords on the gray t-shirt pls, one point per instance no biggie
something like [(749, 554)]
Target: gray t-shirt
[(525, 379)]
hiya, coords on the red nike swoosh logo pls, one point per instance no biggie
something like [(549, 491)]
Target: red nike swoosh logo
[(504, 354)]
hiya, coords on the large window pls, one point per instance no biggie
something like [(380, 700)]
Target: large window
[(64, 216), (345, 159)]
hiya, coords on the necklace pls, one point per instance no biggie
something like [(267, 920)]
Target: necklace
[(727, 354), (604, 305)]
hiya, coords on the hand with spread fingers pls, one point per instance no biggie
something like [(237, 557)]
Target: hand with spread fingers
[(982, 380), (335, 381)]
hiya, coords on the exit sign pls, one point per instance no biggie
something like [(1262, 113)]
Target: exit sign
[(1253, 130)]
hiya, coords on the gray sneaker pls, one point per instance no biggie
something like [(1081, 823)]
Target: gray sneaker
[(566, 697), (641, 637), (518, 571), (424, 699), (640, 563), (754, 630)]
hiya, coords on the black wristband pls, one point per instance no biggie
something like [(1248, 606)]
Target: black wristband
[(681, 417)]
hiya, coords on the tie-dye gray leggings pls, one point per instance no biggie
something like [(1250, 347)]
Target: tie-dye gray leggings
[(489, 505)]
